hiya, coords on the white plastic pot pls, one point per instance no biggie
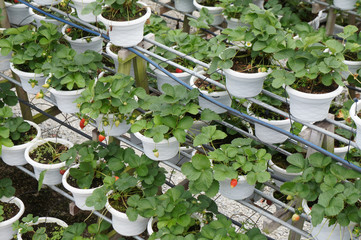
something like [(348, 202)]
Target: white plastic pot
[(259, 3), (111, 129), (353, 66), (282, 173), (65, 99), (26, 76), (184, 5), (355, 108), (311, 107), (323, 231), (114, 56), (126, 33), (197, 127), (123, 225), (220, 96), (79, 6), (243, 85), (167, 149), (268, 135), (46, 220), (39, 18), (341, 151), (14, 156), (6, 229), (241, 191), (163, 78), (233, 23), (80, 45), (52, 175), (345, 4), (215, 11), (18, 14), (46, 2), (80, 195), (4, 60)]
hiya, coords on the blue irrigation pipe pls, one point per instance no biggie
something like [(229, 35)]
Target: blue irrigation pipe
[(64, 21), (229, 109)]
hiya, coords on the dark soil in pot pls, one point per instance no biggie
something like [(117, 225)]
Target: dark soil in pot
[(48, 153), (314, 87), (47, 202), (27, 136), (97, 182), (204, 85), (10, 210), (114, 14), (50, 229)]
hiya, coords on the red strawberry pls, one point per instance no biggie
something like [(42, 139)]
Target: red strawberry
[(16, 1), (269, 202), (234, 182), (116, 178), (178, 70), (81, 124), (62, 171), (68, 30), (101, 138)]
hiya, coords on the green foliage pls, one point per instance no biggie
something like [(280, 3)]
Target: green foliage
[(96, 231), (234, 9), (328, 184), (6, 188), (170, 114), (72, 71), (26, 226), (111, 95), (30, 48)]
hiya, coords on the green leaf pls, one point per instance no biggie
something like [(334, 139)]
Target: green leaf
[(41, 179), (185, 123), (191, 173), (98, 198), (335, 207), (201, 162), (319, 160), (317, 214)]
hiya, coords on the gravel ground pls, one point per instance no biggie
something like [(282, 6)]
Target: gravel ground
[(230, 208)]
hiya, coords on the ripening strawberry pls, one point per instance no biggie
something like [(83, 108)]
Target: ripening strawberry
[(116, 178), (295, 217), (68, 30), (39, 95), (177, 70), (62, 171), (234, 182), (101, 138), (156, 154)]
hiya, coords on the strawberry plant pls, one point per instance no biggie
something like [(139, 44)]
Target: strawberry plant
[(334, 189), (111, 95), (71, 71)]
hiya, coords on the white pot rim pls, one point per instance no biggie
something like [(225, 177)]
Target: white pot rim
[(353, 113), (38, 143), (65, 93), (273, 166), (19, 204), (199, 6), (79, 40), (17, 147), (273, 122), (178, 75), (26, 74), (127, 23), (205, 92), (352, 63), (18, 5), (70, 188), (109, 51), (314, 96), (150, 140), (250, 76), (84, 1)]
